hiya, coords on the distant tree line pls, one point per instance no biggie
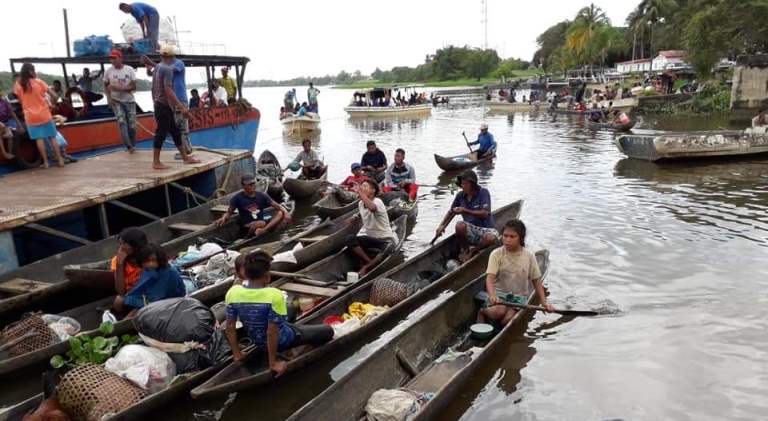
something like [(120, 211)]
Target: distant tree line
[(707, 29)]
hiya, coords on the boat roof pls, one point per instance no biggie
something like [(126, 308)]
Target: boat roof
[(383, 87), (134, 60)]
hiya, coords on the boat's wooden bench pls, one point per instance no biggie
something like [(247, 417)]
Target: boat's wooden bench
[(221, 209), (310, 240), (309, 289), (185, 227), (22, 286)]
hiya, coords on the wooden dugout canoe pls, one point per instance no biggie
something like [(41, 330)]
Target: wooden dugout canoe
[(42, 284), (462, 162), (693, 145), (241, 376), (611, 126), (299, 188), (331, 207), (252, 372), (403, 362), (268, 167)]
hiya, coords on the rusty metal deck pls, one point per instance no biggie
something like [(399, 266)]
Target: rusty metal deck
[(33, 195)]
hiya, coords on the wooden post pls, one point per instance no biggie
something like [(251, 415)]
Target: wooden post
[(167, 199), (66, 33), (103, 220)]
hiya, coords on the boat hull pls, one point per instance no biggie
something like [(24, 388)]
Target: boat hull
[(461, 162), (415, 110), (694, 145), (307, 124)]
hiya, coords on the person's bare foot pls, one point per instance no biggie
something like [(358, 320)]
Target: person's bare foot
[(364, 270), (464, 255), (44, 165), (159, 166), (191, 161), (61, 163), (131, 150)]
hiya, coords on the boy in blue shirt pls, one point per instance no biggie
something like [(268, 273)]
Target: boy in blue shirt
[(263, 312)]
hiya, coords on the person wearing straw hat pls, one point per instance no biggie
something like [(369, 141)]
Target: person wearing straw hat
[(476, 230), (165, 102), (485, 140)]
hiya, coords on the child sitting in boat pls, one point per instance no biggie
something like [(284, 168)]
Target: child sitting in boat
[(159, 280), (263, 312), (125, 265), (620, 117), (512, 272)]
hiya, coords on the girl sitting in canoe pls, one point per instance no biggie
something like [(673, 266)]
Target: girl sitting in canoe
[(125, 265), (512, 272), (159, 280)]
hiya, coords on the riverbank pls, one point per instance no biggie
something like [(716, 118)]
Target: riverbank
[(713, 98), (367, 84)]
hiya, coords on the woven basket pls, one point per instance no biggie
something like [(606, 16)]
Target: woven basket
[(90, 392), (386, 292), (43, 337)]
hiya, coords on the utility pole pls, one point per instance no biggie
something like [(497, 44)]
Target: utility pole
[(66, 32), (485, 23)]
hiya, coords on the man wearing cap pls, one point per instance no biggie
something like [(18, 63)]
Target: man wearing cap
[(356, 178), (148, 19), (250, 205), (228, 84), (166, 103), (485, 140), (119, 84), (476, 231)]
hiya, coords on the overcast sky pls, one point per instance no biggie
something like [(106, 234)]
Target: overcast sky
[(285, 39)]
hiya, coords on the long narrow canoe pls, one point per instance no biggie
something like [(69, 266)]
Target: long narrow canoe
[(462, 162), (331, 207), (411, 359), (241, 376), (178, 388), (253, 372), (268, 168), (42, 285), (299, 188), (693, 145)]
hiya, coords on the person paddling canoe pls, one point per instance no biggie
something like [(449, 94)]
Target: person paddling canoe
[(485, 140), (512, 272), (476, 230)]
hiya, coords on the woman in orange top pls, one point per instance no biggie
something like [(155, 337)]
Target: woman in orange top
[(31, 92), (125, 266)]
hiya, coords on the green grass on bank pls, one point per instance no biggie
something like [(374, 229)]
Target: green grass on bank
[(367, 84)]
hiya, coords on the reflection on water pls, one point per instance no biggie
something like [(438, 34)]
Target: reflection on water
[(680, 249)]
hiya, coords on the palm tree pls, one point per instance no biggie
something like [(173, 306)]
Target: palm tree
[(650, 12), (583, 32)]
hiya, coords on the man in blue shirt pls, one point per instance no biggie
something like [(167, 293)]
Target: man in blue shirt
[(250, 205), (180, 90), (486, 142), (148, 19), (476, 231), (263, 312)]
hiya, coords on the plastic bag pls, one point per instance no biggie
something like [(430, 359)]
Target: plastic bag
[(146, 367), (346, 327), (166, 32), (391, 405), (65, 327)]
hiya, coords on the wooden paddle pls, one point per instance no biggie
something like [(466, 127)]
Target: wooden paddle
[(482, 296), (467, 142)]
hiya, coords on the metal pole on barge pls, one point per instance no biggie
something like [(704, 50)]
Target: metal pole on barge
[(66, 33)]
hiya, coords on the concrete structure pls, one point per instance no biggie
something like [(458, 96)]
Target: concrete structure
[(750, 83), (634, 66), (665, 58)]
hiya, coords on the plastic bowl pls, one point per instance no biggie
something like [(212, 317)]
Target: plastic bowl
[(481, 331), (333, 320)]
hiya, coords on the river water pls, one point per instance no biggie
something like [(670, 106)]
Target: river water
[(679, 251)]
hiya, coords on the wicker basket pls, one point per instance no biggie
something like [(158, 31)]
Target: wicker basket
[(90, 392), (42, 336), (386, 292)]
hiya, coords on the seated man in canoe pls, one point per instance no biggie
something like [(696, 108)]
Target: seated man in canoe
[(620, 118), (374, 162), (263, 312), (376, 236), (512, 272), (401, 176), (485, 140), (476, 230), (312, 166), (250, 205), (158, 281)]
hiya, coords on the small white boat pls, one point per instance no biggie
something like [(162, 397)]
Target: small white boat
[(390, 101), (694, 145), (306, 124)]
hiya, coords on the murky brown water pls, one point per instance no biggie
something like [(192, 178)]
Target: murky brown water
[(680, 249)]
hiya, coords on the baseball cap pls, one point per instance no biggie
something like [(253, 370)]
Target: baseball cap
[(247, 178), (356, 165), (115, 54), (483, 126)]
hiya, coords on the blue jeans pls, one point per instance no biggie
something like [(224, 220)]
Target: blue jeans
[(153, 31), (126, 121)]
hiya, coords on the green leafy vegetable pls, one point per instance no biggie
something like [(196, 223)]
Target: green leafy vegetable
[(84, 349)]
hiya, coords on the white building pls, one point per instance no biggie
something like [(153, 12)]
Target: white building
[(634, 66), (667, 58)]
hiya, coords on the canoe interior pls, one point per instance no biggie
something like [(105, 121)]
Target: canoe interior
[(253, 372), (268, 168), (418, 348), (332, 206), (299, 188), (241, 376)]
